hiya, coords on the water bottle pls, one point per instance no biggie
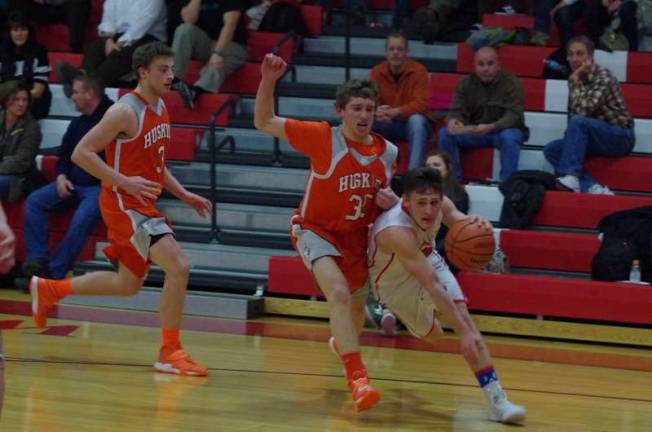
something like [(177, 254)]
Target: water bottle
[(635, 272)]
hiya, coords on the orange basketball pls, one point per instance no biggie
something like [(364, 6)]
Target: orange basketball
[(469, 246)]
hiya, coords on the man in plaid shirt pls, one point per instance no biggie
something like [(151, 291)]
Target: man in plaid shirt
[(598, 121)]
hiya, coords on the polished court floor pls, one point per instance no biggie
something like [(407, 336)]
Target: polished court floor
[(91, 371)]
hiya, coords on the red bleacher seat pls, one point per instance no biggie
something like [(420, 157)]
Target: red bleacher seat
[(184, 143), (54, 57), (313, 18), (243, 80), (54, 37), (477, 164), (288, 275), (638, 98), (549, 250), (581, 210), (261, 43), (639, 65), (508, 22), (383, 4), (558, 297), (625, 173)]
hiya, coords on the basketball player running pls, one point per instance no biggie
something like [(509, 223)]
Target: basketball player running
[(134, 133), (350, 169), (410, 278)]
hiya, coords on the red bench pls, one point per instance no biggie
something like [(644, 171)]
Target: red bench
[(558, 297)]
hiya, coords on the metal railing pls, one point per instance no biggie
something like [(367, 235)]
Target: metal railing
[(214, 148)]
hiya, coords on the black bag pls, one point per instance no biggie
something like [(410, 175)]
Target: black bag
[(613, 260), (283, 17), (634, 227)]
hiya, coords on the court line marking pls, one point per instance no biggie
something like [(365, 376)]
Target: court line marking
[(375, 378)]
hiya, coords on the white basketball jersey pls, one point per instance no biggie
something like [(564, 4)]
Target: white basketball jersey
[(385, 268)]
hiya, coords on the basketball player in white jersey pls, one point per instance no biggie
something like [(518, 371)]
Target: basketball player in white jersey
[(410, 278)]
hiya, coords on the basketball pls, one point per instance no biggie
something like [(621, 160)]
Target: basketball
[(469, 246)]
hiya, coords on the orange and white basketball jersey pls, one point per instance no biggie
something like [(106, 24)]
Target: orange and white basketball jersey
[(344, 178), (144, 154)]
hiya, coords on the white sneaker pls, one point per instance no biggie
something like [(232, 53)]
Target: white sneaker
[(506, 10), (506, 412), (569, 183), (388, 323), (598, 189)]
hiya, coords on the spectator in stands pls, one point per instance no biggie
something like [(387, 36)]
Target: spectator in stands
[(24, 59), (564, 12), (7, 245), (487, 111), (617, 15), (20, 138), (213, 32), (404, 102), (598, 121), (125, 25), (73, 187), (72, 12), (357, 8)]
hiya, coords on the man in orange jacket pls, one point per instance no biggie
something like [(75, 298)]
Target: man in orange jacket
[(403, 110)]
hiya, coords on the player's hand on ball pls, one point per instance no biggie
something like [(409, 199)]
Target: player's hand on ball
[(481, 221)]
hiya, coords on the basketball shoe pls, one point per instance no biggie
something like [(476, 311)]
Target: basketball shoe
[(500, 408), (43, 299), (364, 395), (180, 363)]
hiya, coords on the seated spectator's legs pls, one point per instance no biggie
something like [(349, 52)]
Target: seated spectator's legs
[(400, 14), (94, 55), (451, 144), (82, 224), (509, 142), (565, 19), (211, 79), (542, 16), (39, 204), (77, 13), (190, 42), (629, 23), (41, 106), (587, 136), (597, 19), (118, 64), (4, 186), (37, 208), (418, 133)]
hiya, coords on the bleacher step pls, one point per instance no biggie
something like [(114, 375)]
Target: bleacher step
[(196, 303)]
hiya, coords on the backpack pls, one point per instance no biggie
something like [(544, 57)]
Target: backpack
[(523, 192), (632, 227), (613, 260), (283, 17)]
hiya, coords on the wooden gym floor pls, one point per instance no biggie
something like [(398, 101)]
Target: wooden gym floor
[(91, 371)]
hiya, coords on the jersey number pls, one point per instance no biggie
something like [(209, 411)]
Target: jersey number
[(161, 150), (359, 202)]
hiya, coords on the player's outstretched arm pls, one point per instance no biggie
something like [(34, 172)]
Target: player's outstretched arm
[(119, 120), (402, 242), (265, 119), (201, 205)]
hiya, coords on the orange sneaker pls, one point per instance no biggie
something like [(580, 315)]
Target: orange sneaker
[(180, 363), (364, 395), (43, 298)]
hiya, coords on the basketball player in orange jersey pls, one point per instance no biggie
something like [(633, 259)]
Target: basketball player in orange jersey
[(410, 278), (350, 169), (134, 134)]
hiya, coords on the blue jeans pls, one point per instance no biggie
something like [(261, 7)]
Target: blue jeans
[(45, 200), (586, 136), (508, 141), (416, 130), (565, 18), (4, 186)]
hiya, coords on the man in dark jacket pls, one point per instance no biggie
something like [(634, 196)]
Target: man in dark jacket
[(72, 188), (487, 111)]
